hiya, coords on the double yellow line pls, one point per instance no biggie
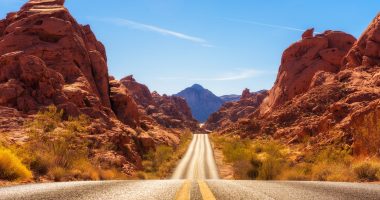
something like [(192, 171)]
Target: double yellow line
[(184, 192)]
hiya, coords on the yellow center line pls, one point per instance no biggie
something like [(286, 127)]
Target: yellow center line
[(184, 192), (205, 191)]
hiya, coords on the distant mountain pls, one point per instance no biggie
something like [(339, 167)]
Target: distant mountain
[(230, 98), (201, 101)]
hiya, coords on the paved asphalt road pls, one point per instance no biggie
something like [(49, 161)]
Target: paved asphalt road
[(194, 178), (198, 162)]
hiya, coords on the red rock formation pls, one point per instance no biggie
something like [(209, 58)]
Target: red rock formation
[(173, 112), (302, 60), (309, 33), (168, 111), (318, 100), (139, 92), (366, 51), (231, 112), (47, 58), (44, 32), (123, 104)]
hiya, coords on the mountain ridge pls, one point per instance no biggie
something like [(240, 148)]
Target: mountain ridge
[(201, 101)]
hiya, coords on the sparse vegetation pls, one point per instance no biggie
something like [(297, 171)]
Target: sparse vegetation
[(367, 171), (252, 160), (56, 149), (159, 163), (266, 159), (11, 167)]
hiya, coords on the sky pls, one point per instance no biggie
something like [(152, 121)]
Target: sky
[(224, 45)]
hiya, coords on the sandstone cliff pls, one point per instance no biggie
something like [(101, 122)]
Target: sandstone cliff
[(327, 92), (231, 112), (167, 111), (47, 58)]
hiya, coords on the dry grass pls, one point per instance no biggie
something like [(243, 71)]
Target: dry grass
[(261, 159), (57, 149), (270, 160), (161, 162), (11, 167), (367, 171)]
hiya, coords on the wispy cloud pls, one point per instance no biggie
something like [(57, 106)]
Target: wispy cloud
[(151, 28), (239, 74), (276, 26)]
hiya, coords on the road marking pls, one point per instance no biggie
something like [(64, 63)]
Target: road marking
[(196, 173), (184, 192), (205, 191)]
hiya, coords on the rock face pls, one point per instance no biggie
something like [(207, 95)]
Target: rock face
[(366, 52), (44, 40), (47, 58), (168, 111), (327, 92), (302, 60), (231, 112), (123, 104), (201, 101)]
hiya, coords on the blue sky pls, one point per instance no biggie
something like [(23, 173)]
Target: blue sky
[(224, 45)]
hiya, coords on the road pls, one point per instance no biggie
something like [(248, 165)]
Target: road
[(198, 162), (195, 178)]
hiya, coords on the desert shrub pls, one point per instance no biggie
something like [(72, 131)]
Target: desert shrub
[(270, 168), (40, 165), (47, 120), (83, 169), (367, 171), (57, 173), (147, 165), (341, 173), (268, 159), (255, 165), (11, 167), (77, 125), (297, 171), (253, 159), (160, 162), (57, 147), (235, 150), (321, 172), (300, 172), (141, 175), (159, 156), (270, 147), (333, 154), (57, 140), (243, 173)]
